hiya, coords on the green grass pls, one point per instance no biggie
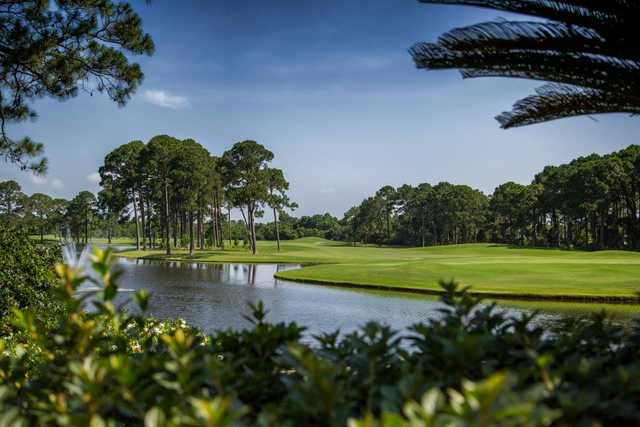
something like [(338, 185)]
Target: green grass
[(487, 268)]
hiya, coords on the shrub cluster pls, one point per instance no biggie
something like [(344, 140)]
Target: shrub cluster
[(26, 276), (472, 366)]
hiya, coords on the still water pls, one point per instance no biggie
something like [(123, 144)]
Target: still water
[(217, 296)]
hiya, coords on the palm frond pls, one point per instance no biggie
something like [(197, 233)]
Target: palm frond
[(593, 71), (587, 13), (587, 44), (552, 36), (555, 101)]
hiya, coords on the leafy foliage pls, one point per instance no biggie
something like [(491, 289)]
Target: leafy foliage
[(320, 225), (56, 48), (418, 215), (472, 366), (26, 276)]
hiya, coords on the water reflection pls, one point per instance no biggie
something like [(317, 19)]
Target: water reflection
[(216, 296), (234, 274)]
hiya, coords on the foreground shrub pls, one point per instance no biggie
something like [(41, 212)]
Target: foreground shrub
[(26, 276), (473, 366)]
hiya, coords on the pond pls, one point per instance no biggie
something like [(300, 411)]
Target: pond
[(217, 296)]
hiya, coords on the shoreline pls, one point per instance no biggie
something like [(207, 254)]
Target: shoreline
[(609, 299)]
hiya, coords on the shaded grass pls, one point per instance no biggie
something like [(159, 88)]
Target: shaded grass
[(488, 268)]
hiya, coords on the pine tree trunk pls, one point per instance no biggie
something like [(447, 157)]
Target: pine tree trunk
[(219, 214), (135, 216), (219, 222), (254, 249), (247, 225), (275, 223), (388, 226), (214, 227), (190, 232), (229, 224), (175, 229), (200, 230), (167, 219), (144, 223), (148, 210)]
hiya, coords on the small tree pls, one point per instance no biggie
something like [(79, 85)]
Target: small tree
[(278, 198), (157, 159), (38, 207), (244, 169), (388, 195), (80, 213), (10, 197), (121, 173)]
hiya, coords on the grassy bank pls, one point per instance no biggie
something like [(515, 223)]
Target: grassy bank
[(494, 270)]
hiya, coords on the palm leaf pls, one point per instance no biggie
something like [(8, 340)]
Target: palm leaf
[(554, 101), (587, 47)]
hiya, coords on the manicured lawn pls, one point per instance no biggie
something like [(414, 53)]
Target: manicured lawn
[(487, 268)]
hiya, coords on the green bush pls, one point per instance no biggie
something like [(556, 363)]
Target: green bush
[(26, 275), (472, 366)]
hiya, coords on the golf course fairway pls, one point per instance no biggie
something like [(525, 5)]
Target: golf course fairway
[(489, 269)]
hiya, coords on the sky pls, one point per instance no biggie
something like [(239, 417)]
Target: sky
[(329, 87)]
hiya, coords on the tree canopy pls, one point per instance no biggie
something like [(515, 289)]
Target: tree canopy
[(245, 170), (57, 48)]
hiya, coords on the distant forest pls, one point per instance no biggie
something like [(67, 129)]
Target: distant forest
[(593, 202)]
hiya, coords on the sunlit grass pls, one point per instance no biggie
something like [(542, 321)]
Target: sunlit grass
[(485, 267)]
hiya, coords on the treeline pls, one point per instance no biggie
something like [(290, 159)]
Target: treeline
[(592, 202), (80, 218), (174, 194), (181, 193), (167, 193), (320, 225), (418, 216)]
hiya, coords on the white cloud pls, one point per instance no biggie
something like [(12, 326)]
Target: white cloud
[(164, 99), (55, 183), (94, 178)]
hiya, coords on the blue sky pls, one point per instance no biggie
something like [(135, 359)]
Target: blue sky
[(329, 87)]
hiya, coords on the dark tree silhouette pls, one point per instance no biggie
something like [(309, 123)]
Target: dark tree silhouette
[(586, 48)]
